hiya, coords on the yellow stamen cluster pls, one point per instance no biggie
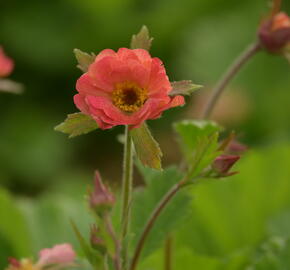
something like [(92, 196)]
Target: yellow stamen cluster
[(129, 97)]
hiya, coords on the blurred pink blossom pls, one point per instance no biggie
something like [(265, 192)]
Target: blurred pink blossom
[(59, 254), (6, 64)]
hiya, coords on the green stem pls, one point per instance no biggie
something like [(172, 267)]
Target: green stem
[(228, 76), (151, 221), (168, 250), (126, 191)]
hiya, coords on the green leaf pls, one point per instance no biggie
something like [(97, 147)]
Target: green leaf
[(9, 86), (185, 87), (145, 200), (92, 255), (14, 234), (199, 142), (84, 59), (272, 255), (231, 215), (147, 149), (142, 40), (77, 124)]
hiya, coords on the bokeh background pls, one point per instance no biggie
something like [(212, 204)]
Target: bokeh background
[(43, 175)]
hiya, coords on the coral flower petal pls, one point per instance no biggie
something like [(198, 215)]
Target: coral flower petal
[(125, 87)]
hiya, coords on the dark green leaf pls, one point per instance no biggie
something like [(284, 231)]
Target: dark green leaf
[(77, 124), (147, 149), (142, 40), (84, 59), (185, 87)]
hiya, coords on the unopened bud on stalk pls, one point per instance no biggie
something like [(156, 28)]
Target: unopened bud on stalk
[(274, 34), (96, 241), (223, 163), (100, 199)]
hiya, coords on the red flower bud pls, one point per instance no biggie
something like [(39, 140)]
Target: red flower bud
[(222, 165), (274, 33), (100, 198)]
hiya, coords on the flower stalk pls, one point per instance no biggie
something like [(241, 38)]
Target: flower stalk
[(243, 58), (126, 191), (151, 221)]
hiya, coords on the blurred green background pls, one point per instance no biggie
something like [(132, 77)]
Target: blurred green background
[(44, 175)]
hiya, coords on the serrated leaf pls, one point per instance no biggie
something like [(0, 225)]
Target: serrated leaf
[(145, 200), (92, 255), (147, 149), (9, 86), (185, 87), (84, 59), (77, 124), (142, 40), (192, 132)]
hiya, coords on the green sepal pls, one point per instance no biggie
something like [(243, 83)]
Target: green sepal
[(84, 59), (185, 87), (77, 124), (142, 40), (147, 149)]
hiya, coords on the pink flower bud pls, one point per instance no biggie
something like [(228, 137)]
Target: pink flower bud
[(274, 33), (6, 64), (96, 241), (235, 148), (125, 87), (100, 198), (223, 163), (61, 255)]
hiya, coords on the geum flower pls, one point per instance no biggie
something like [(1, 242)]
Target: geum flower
[(6, 64), (57, 257), (125, 87), (274, 33)]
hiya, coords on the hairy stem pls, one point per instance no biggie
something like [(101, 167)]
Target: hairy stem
[(111, 231), (228, 76), (151, 221), (126, 191)]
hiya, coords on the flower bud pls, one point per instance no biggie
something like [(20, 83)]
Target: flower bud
[(223, 163), (96, 241), (274, 33), (100, 199), (6, 64), (235, 148)]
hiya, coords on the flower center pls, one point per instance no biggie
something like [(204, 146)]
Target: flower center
[(129, 97)]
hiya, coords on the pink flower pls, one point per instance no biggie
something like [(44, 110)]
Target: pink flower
[(274, 33), (125, 87), (59, 254), (6, 64)]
